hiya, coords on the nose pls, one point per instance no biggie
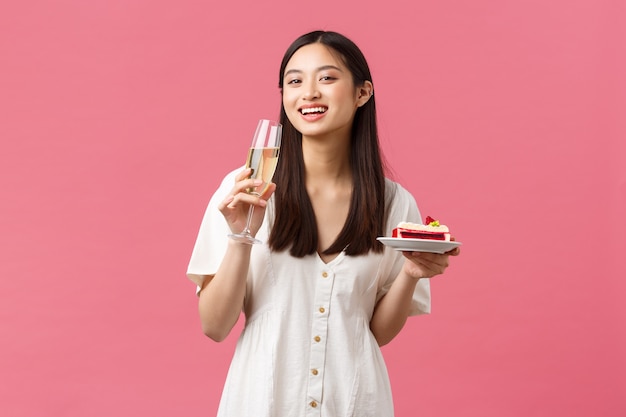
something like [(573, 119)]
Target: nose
[(310, 92)]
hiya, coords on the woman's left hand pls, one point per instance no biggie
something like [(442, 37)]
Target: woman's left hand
[(425, 264)]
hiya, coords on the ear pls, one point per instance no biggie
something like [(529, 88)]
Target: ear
[(364, 93)]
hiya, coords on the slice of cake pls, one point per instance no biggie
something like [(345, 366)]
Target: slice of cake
[(431, 230)]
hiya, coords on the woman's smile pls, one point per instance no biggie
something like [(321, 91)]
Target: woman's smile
[(313, 113)]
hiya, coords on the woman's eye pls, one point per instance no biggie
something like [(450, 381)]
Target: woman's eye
[(293, 82), (327, 78)]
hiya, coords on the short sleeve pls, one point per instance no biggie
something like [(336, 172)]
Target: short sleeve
[(212, 238), (402, 207)]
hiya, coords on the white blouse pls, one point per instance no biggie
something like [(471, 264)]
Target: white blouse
[(306, 348)]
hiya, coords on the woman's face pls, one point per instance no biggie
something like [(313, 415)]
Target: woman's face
[(319, 95)]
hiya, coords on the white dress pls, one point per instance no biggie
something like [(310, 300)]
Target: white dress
[(306, 348)]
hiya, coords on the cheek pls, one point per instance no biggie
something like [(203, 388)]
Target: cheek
[(290, 102), (290, 108), (288, 97), (347, 96)]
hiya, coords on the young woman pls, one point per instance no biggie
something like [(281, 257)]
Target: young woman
[(321, 294)]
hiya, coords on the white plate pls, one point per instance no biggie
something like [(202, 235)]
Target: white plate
[(419, 245)]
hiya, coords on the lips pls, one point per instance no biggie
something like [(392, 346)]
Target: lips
[(313, 110)]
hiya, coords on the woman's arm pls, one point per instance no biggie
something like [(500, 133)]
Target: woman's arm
[(221, 297), (393, 309)]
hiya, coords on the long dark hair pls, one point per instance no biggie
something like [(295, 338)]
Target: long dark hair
[(294, 223)]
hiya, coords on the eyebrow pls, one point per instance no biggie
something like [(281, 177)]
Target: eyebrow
[(322, 68)]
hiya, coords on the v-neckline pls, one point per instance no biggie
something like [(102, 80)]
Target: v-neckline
[(332, 261)]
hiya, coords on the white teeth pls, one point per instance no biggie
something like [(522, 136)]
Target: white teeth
[(313, 110)]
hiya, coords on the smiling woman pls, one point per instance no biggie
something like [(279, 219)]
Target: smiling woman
[(504, 118), (315, 72), (322, 294)]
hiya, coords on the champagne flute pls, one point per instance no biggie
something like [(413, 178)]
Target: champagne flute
[(262, 159)]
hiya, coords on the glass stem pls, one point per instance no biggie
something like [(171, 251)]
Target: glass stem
[(246, 230)]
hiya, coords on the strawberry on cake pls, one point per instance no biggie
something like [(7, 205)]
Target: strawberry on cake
[(431, 230)]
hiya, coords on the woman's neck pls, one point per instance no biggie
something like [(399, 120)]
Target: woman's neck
[(326, 161)]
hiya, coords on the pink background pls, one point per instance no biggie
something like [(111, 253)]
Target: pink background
[(506, 119)]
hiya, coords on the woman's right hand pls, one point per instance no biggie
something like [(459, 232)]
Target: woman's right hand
[(235, 206)]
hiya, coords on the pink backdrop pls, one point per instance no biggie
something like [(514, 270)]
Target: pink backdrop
[(118, 118)]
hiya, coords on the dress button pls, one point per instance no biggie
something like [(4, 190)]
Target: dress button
[(314, 371), (317, 338), (325, 274), (313, 404), (322, 309)]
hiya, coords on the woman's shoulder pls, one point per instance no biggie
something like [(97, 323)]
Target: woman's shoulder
[(394, 191), (400, 203)]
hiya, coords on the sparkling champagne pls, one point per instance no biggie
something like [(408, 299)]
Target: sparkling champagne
[(263, 162)]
